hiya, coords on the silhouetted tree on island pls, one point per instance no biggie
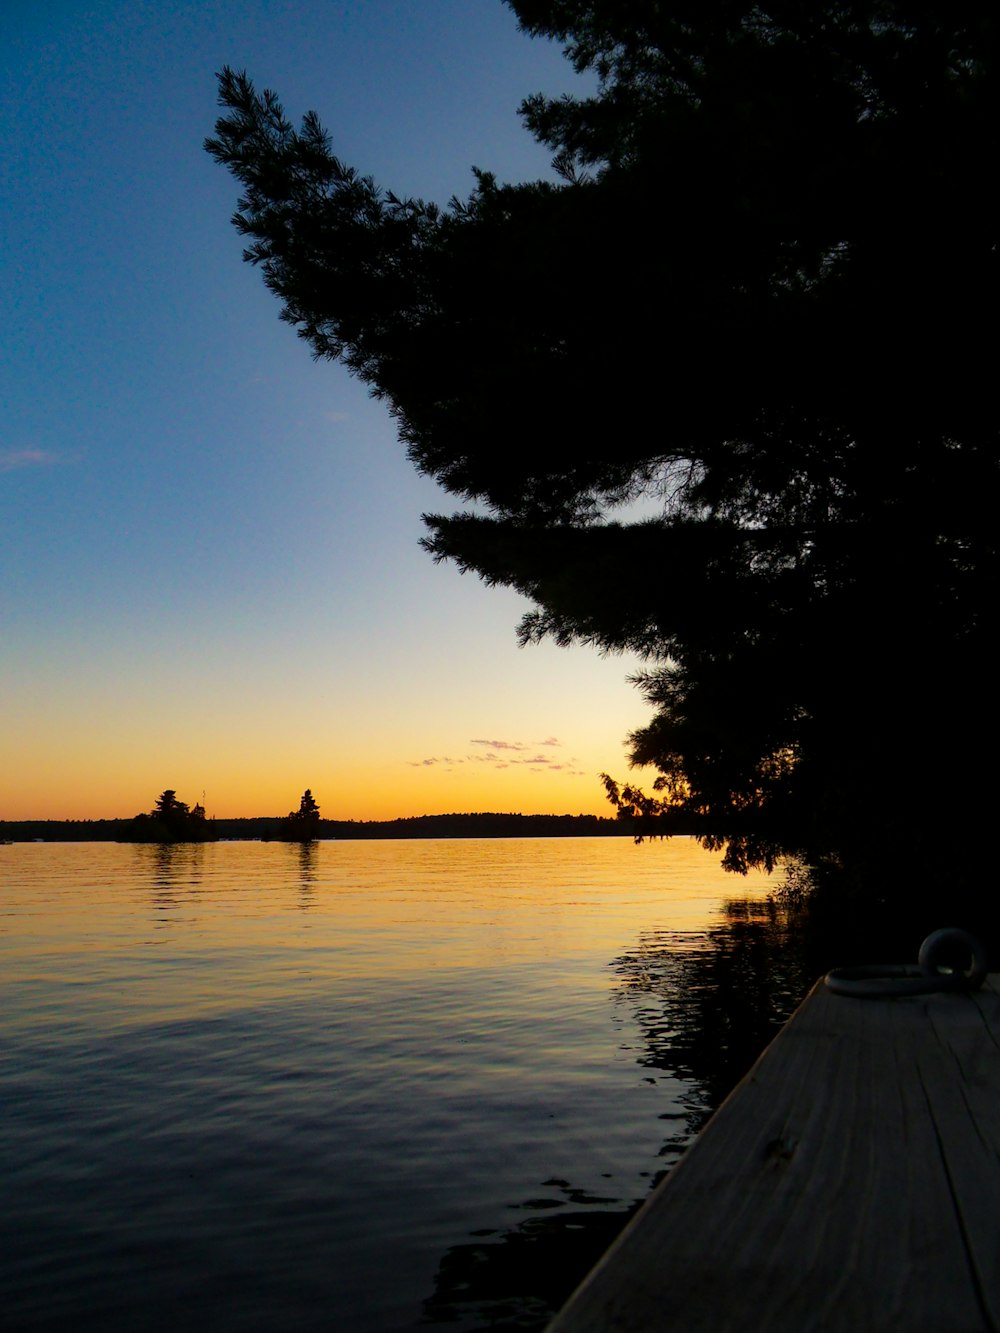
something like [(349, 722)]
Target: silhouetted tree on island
[(302, 825), (170, 820), (754, 304)]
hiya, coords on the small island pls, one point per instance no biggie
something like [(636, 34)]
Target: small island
[(170, 820), (302, 825)]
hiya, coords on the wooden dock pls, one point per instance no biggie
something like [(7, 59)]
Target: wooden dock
[(851, 1182)]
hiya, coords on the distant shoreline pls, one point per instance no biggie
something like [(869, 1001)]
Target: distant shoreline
[(267, 828)]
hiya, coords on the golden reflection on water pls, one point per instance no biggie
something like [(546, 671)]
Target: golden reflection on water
[(343, 909), (261, 1064)]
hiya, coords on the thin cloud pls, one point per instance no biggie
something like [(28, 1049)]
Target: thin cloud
[(501, 755), (11, 459)]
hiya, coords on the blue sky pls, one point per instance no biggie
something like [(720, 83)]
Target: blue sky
[(208, 543)]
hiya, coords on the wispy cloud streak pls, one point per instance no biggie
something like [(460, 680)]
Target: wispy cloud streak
[(11, 459), (501, 754)]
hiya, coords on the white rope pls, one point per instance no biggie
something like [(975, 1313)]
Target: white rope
[(935, 970)]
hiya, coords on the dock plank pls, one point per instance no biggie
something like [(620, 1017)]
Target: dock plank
[(851, 1182)]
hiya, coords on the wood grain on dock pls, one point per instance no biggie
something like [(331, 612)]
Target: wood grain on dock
[(851, 1182)]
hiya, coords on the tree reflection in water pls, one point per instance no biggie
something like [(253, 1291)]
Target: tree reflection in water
[(174, 871), (701, 1008), (706, 1005), (305, 855)]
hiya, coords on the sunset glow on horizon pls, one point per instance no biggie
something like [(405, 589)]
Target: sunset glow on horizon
[(423, 762), (210, 565)]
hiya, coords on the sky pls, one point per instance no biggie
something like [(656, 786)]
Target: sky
[(210, 577)]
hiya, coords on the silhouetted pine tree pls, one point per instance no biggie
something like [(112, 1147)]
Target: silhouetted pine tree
[(754, 303)]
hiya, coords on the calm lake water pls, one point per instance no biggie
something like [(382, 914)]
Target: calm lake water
[(362, 1085)]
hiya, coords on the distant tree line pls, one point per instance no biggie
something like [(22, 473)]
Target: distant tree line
[(275, 828), (486, 824)]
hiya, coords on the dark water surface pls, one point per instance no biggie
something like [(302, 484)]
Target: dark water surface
[(368, 1086)]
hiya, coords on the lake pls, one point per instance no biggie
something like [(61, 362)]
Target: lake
[(359, 1085)]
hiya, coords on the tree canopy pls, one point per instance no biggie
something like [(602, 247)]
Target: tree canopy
[(170, 820), (720, 394)]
